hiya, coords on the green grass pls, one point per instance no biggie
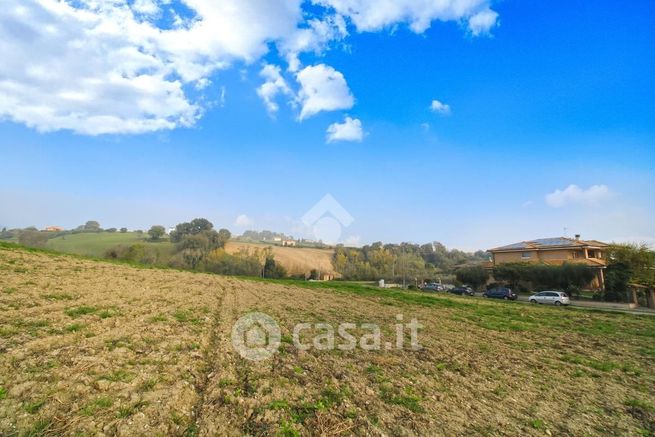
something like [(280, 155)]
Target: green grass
[(58, 296), (495, 315), (119, 376), (157, 318), (637, 403), (97, 404), (183, 316), (128, 410), (80, 311), (33, 407), (406, 399), (3, 393), (75, 327), (96, 244)]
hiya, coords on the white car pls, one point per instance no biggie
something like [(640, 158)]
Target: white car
[(550, 297)]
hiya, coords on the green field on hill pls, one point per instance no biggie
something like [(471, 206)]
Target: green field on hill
[(96, 244)]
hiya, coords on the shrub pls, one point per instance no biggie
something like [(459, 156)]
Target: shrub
[(33, 238), (475, 276), (569, 276)]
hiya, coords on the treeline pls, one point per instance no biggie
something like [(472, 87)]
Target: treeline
[(33, 237), (198, 246), (398, 262), (262, 236)]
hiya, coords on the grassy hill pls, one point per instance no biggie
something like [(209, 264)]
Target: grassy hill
[(96, 244), (297, 260), (90, 347)]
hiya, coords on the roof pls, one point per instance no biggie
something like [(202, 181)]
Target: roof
[(549, 243)]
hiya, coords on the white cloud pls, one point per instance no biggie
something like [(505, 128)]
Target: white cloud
[(110, 66), (105, 67), (374, 15), (574, 195), (349, 130), (314, 38), (322, 88), (148, 7), (244, 221), (440, 108), (483, 21), (274, 85)]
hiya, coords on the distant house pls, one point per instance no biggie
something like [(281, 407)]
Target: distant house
[(54, 229), (556, 251), (288, 242)]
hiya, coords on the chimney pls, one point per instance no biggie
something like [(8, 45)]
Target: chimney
[(577, 237)]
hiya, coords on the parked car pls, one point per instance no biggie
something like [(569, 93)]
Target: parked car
[(500, 293), (462, 291), (431, 287), (550, 297)]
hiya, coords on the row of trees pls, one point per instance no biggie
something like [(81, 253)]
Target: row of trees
[(400, 261), (569, 277)]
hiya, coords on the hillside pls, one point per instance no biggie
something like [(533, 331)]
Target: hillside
[(90, 347), (96, 244), (297, 260)]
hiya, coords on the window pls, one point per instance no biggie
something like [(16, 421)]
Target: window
[(526, 255)]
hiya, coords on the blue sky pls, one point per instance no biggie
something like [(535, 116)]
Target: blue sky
[(550, 121)]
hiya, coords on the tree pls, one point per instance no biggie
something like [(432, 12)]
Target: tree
[(111, 230), (156, 232), (223, 236), (193, 248), (123, 230), (475, 276), (510, 273), (32, 238), (194, 227), (195, 239), (92, 226), (273, 270), (637, 259), (6, 234)]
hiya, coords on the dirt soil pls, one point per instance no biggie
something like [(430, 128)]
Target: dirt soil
[(93, 348)]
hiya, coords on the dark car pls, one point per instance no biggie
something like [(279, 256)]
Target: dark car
[(462, 291), (500, 293)]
